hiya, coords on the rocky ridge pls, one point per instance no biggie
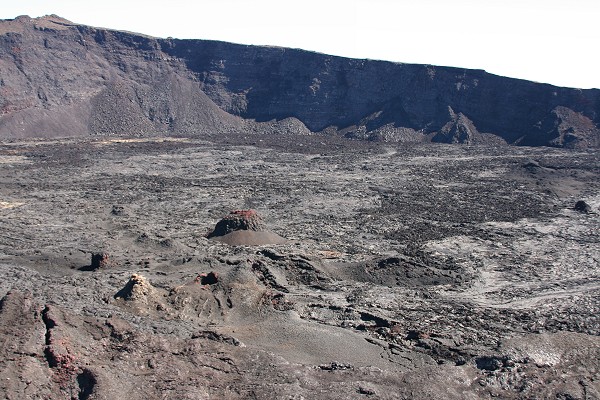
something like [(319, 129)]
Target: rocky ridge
[(65, 79)]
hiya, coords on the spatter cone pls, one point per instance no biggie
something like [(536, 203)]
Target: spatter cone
[(243, 227), (238, 220)]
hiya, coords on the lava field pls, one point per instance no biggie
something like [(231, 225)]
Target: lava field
[(364, 271)]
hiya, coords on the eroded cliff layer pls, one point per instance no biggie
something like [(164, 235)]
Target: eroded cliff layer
[(59, 78)]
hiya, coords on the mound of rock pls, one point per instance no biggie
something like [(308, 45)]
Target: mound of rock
[(582, 207), (141, 295), (244, 227), (100, 261), (238, 220)]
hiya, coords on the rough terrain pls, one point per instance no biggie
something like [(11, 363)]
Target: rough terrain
[(408, 271), (59, 78)]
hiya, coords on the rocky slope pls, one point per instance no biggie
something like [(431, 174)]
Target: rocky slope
[(63, 79)]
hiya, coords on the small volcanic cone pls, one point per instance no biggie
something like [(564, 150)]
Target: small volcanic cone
[(137, 289), (238, 220), (244, 227), (141, 297)]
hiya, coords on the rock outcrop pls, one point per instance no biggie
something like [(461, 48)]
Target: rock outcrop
[(244, 227), (64, 79), (238, 220), (100, 261), (582, 207), (459, 129)]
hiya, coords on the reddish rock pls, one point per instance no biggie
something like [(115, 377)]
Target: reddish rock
[(238, 220), (244, 228), (100, 260)]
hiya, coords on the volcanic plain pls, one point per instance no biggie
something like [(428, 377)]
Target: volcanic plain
[(400, 271)]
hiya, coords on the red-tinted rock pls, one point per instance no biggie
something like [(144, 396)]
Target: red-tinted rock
[(238, 220), (100, 261), (244, 228)]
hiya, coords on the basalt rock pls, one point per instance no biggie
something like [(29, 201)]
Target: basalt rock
[(244, 227), (238, 220), (209, 278), (582, 207), (100, 261)]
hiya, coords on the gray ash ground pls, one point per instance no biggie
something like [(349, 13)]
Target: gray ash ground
[(409, 271)]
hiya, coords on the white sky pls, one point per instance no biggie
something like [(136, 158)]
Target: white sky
[(547, 41)]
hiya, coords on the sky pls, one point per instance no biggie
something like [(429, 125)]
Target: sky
[(547, 41)]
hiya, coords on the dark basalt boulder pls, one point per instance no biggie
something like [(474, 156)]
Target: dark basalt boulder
[(582, 207), (98, 261)]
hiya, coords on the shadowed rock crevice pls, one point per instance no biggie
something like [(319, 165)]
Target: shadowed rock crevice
[(86, 381), (50, 324)]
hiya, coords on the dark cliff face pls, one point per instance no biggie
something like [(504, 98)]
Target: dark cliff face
[(59, 79)]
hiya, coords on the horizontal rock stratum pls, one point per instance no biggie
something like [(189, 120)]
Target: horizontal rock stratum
[(60, 78)]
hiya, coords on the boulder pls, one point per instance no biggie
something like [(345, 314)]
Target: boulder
[(582, 207), (100, 261)]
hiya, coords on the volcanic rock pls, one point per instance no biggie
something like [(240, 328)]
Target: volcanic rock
[(217, 337), (118, 211), (209, 278), (459, 129), (62, 78), (564, 127), (582, 206), (238, 220), (137, 289), (243, 227), (100, 261)]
